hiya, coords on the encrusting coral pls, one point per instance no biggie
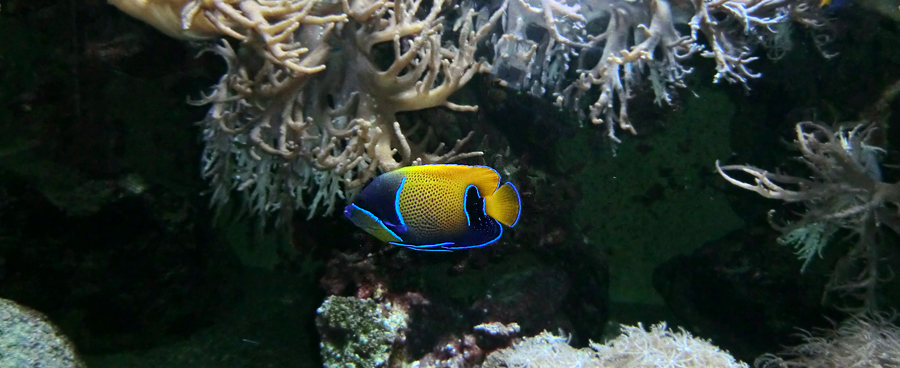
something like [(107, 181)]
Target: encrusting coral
[(360, 333)]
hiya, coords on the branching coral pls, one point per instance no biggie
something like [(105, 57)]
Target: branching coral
[(165, 15), (306, 113), (844, 193), (640, 41)]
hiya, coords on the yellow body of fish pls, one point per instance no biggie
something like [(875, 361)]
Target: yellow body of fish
[(437, 207)]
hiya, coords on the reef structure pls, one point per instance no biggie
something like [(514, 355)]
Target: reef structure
[(306, 113), (616, 45)]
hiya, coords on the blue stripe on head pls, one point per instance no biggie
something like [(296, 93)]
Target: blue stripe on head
[(379, 196), (402, 226), (518, 199)]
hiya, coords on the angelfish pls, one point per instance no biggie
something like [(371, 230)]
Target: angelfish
[(437, 207)]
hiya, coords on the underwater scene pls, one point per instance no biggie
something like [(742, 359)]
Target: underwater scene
[(449, 183)]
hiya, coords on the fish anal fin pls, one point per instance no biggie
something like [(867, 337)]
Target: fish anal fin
[(504, 205), (440, 247)]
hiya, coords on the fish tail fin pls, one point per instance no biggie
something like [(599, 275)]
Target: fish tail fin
[(504, 205)]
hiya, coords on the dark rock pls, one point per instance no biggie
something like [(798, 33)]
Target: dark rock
[(744, 291)]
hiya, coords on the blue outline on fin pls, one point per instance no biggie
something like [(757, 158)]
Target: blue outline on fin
[(402, 226), (519, 200), (465, 198), (499, 177), (484, 207), (441, 247), (378, 220), (430, 249), (492, 241)]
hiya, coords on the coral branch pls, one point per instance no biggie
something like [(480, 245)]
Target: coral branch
[(305, 116), (844, 193), (640, 42)]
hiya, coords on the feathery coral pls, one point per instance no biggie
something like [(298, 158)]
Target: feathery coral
[(305, 114), (634, 348), (845, 192)]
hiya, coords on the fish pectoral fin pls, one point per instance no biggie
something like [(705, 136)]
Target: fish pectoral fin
[(398, 229), (439, 247)]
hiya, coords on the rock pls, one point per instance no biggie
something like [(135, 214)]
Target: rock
[(28, 339), (360, 333), (743, 291)]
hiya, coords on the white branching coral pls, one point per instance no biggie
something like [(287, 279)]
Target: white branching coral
[(636, 347), (306, 112), (639, 42), (866, 341)]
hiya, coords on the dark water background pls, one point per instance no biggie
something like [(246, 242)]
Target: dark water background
[(105, 228)]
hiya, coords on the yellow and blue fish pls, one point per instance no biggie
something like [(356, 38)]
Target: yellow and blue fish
[(437, 207)]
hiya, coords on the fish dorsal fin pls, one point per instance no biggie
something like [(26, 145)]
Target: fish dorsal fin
[(504, 205), (484, 178)]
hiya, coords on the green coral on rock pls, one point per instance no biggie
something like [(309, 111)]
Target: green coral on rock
[(359, 333)]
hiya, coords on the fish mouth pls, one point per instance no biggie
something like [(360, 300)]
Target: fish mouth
[(347, 211)]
